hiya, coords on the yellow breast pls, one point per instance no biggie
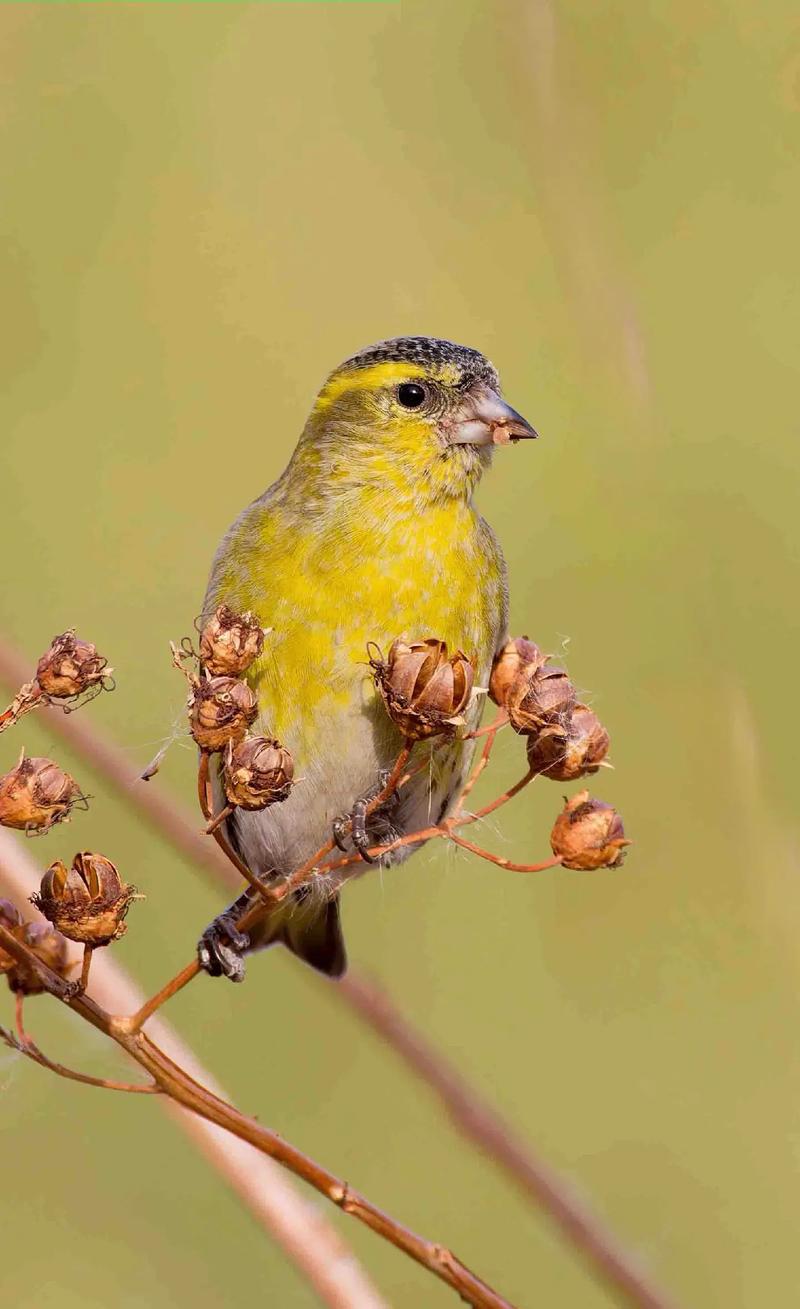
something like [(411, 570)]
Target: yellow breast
[(359, 571)]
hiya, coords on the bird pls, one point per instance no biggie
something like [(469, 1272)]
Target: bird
[(370, 533)]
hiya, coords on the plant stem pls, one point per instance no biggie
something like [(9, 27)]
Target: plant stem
[(170, 988), (490, 732), (27, 698), (619, 1268), (85, 967), (503, 863), (301, 874), (219, 819), (502, 799), (19, 1022), (205, 797), (274, 894), (501, 720), (290, 1218), (28, 1047), (482, 1123), (182, 1088)]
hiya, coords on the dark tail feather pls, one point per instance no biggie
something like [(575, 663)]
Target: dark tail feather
[(317, 938), (310, 929)]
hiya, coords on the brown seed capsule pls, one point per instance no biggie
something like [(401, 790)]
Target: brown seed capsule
[(87, 902), (570, 750), (541, 697), (230, 642), (220, 711), (257, 772), (425, 691), (70, 667), (10, 918), (517, 657), (50, 947), (588, 834), (36, 794), (534, 692)]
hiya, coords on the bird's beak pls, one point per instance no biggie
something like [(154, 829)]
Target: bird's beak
[(485, 419)]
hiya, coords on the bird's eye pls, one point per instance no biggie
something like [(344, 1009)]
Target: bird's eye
[(411, 395)]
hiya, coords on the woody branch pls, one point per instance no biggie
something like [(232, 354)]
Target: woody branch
[(476, 1119), (564, 741), (295, 1223), (175, 1082)]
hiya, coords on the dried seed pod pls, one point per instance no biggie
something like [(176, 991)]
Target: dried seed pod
[(257, 772), (568, 751), (10, 918), (425, 691), (50, 947), (541, 697), (230, 642), (588, 834), (517, 657), (220, 711), (70, 667), (36, 794), (534, 692), (87, 902)]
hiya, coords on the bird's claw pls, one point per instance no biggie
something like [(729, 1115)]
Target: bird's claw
[(220, 949), (358, 831), (339, 832), (354, 826)]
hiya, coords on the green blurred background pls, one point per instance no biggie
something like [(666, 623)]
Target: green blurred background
[(207, 206)]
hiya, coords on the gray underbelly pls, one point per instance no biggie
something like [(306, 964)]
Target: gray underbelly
[(283, 837)]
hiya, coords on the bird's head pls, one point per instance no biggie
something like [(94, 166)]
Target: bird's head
[(415, 415)]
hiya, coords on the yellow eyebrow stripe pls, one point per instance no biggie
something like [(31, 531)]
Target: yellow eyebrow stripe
[(367, 379)]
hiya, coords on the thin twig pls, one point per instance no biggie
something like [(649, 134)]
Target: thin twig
[(26, 699), (294, 1222), (204, 796), (205, 800), (618, 1266), (170, 988), (24, 1045), (19, 1019), (484, 1125), (500, 719), (273, 894), (301, 875), (85, 967), (218, 819), (504, 798), (443, 829), (504, 863), (177, 1083)]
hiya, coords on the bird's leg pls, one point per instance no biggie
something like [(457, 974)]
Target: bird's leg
[(220, 948), (363, 828), (358, 831), (339, 828)]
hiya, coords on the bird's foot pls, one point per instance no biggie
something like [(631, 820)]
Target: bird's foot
[(220, 949), (358, 831), (340, 832), (364, 830)]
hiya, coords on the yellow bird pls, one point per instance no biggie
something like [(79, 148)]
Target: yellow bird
[(370, 533)]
